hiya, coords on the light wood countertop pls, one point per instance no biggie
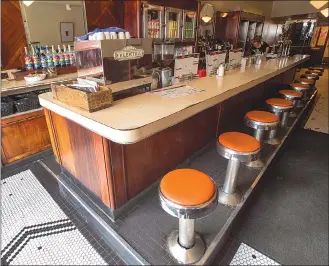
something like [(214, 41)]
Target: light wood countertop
[(132, 119)]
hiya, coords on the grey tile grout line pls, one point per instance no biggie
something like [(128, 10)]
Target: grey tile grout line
[(124, 245), (216, 241)]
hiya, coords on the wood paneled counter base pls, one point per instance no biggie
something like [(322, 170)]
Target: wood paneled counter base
[(113, 173)]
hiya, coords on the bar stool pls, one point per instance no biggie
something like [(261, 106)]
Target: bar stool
[(305, 81), (260, 121), (314, 71), (281, 108), (317, 68), (310, 76), (187, 194), (293, 96), (236, 147), (303, 89)]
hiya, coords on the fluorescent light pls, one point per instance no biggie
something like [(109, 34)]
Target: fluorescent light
[(325, 12), (206, 19), (68, 7), (28, 3), (318, 4)]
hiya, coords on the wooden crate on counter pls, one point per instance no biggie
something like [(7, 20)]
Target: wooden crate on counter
[(88, 101)]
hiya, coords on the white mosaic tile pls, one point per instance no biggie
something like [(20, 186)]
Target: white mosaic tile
[(246, 255), (35, 231)]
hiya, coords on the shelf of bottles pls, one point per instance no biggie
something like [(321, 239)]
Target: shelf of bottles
[(153, 21), (173, 18), (39, 57), (189, 19)]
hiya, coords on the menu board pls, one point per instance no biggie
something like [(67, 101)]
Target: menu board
[(213, 61)]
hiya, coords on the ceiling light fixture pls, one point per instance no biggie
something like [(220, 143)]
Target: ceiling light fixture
[(325, 12), (206, 19), (68, 7), (318, 4), (28, 3)]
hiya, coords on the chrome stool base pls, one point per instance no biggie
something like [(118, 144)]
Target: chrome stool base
[(183, 255), (275, 141), (256, 164), (229, 199)]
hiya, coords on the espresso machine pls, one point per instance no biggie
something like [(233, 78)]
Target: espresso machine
[(163, 55)]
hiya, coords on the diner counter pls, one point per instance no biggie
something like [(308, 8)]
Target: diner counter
[(9, 87), (133, 119)]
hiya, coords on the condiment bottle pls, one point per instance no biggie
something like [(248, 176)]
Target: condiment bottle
[(28, 60)]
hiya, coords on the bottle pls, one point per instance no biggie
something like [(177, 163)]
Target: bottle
[(66, 56), (35, 58), (43, 58), (49, 57), (55, 56), (61, 57), (28, 60), (72, 56)]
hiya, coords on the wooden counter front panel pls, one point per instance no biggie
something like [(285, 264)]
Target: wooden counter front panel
[(145, 162), (81, 152), (23, 135)]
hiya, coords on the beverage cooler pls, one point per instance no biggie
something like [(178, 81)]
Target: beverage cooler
[(189, 22), (153, 21), (173, 26)]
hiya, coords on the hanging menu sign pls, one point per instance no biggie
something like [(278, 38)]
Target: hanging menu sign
[(128, 53)]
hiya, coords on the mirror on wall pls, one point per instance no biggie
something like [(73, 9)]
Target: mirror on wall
[(53, 22), (207, 17)]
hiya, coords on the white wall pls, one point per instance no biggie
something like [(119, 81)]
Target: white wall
[(43, 20), (289, 8)]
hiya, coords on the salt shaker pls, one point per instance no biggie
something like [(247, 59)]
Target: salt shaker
[(221, 70)]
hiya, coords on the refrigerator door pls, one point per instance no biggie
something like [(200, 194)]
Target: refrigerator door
[(189, 24), (153, 21), (173, 23)]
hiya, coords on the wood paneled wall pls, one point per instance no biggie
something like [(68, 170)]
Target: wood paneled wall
[(103, 14), (13, 37)]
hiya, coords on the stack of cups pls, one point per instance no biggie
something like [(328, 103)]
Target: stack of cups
[(108, 34)]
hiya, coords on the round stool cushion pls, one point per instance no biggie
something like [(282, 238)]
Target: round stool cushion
[(262, 116), (315, 72), (239, 142), (279, 102), (310, 76), (291, 93), (306, 81), (317, 68), (300, 86), (187, 187)]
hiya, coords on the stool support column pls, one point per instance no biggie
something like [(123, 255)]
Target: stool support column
[(259, 134), (284, 119), (186, 236), (231, 176), (272, 139)]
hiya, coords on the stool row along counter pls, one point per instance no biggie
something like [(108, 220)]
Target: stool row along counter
[(189, 194)]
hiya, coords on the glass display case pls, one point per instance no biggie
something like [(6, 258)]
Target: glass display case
[(173, 26), (153, 17), (189, 21)]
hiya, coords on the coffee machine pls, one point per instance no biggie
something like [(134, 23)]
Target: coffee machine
[(163, 55)]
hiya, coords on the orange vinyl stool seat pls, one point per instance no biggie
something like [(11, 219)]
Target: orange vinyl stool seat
[(277, 102), (309, 82), (236, 147), (281, 108), (310, 76), (315, 72), (239, 142), (187, 194), (291, 93), (317, 68), (262, 116), (260, 121), (187, 187)]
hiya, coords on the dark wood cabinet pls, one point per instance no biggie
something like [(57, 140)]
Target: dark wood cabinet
[(238, 27), (23, 135)]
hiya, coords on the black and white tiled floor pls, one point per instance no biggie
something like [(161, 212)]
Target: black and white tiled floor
[(39, 228)]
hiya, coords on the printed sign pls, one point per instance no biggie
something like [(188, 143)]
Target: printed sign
[(128, 53)]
